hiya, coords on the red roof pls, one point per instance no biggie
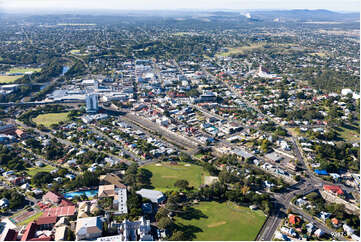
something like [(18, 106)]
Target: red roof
[(59, 211), (333, 188), (46, 220), (334, 221), (65, 203), (293, 219), (45, 238), (52, 197), (29, 231), (19, 132)]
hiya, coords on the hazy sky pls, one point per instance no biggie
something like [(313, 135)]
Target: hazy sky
[(338, 5)]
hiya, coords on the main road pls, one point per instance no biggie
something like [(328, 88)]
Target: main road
[(282, 202)]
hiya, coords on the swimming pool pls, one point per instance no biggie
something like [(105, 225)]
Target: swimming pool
[(88, 193)]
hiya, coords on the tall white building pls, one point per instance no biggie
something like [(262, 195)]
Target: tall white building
[(91, 103), (121, 200)]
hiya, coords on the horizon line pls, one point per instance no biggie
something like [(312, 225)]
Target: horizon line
[(12, 10)]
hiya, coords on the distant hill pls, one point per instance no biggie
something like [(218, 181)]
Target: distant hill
[(303, 15)]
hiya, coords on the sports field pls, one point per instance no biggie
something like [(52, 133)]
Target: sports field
[(241, 50), (221, 221), (33, 170), (23, 70), (30, 218), (50, 118), (164, 175), (9, 79)]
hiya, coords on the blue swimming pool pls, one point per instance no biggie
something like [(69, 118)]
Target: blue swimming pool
[(88, 193)]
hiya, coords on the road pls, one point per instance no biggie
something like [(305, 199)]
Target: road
[(66, 142), (315, 222), (282, 201), (108, 139), (172, 137)]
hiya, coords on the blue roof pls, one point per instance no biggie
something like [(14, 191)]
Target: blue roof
[(321, 172)]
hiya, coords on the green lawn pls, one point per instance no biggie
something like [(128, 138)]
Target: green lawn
[(50, 118), (164, 176), (9, 79), (23, 70), (33, 170), (75, 51), (221, 221), (242, 49), (350, 133)]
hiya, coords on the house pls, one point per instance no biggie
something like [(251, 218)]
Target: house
[(8, 235), (62, 222), (65, 203), (21, 134), (7, 129), (310, 227), (88, 228), (293, 219), (335, 176), (8, 173), (268, 184), (253, 207), (30, 234), (324, 215), (336, 190), (83, 209), (280, 236), (335, 222), (4, 203), (72, 162), (46, 223), (106, 191), (16, 180), (111, 179), (92, 169), (25, 186), (300, 202), (288, 231), (70, 176), (60, 233), (52, 197), (37, 191), (319, 233), (152, 195), (349, 231)]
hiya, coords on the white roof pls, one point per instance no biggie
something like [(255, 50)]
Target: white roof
[(152, 195)]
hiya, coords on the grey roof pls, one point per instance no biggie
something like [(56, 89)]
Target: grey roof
[(274, 156), (243, 153), (152, 195)]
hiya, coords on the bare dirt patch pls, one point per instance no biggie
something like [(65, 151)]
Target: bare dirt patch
[(208, 180), (216, 224)]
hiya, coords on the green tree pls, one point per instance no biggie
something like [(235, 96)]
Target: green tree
[(182, 184), (41, 178), (178, 236)]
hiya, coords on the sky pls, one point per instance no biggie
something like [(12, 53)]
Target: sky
[(335, 5)]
